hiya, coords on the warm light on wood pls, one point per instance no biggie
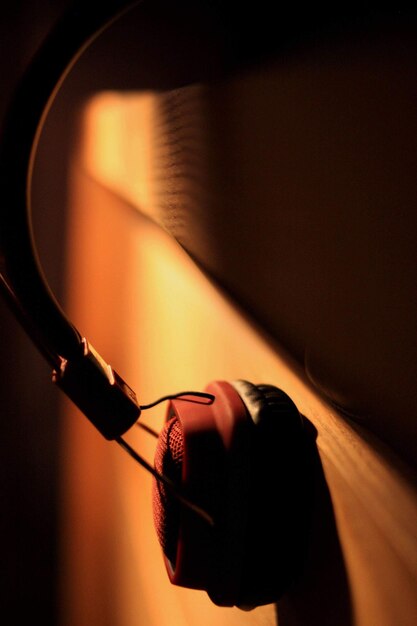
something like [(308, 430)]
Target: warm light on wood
[(165, 327), (124, 159)]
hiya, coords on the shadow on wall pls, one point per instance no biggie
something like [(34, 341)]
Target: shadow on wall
[(320, 596), (29, 424)]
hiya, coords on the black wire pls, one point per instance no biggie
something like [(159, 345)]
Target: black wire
[(176, 491), (186, 396), (148, 429)]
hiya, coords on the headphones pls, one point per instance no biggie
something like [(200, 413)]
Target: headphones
[(231, 471)]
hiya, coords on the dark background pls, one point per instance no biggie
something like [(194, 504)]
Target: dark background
[(29, 424)]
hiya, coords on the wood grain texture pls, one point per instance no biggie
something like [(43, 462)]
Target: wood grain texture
[(164, 326), (294, 185)]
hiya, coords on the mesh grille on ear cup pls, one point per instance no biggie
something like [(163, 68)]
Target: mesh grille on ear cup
[(166, 508), (242, 459)]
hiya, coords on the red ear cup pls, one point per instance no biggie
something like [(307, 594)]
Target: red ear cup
[(243, 460)]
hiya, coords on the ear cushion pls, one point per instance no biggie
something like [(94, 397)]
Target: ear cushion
[(278, 497), (213, 438), (269, 402), (240, 459)]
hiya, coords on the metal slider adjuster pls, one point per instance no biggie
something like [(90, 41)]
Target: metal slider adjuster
[(99, 392)]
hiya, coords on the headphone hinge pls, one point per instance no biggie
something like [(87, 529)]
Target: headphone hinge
[(99, 392)]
